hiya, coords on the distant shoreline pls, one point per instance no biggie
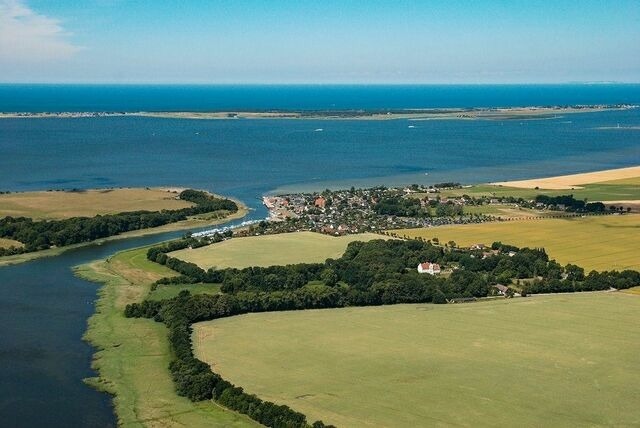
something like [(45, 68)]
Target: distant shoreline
[(523, 113)]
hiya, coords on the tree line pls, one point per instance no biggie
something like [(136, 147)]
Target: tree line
[(383, 272), (378, 272), (193, 378), (570, 203), (40, 235)]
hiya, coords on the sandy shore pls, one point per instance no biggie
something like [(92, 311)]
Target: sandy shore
[(573, 180)]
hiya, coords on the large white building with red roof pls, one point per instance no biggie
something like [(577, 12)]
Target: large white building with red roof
[(428, 267)]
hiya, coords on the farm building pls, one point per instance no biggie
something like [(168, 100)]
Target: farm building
[(502, 289), (428, 267)]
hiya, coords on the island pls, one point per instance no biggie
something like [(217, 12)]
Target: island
[(505, 113)]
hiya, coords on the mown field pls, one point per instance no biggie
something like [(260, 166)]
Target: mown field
[(507, 211), (87, 203), (134, 354), (268, 250), (563, 361), (615, 190), (593, 242)]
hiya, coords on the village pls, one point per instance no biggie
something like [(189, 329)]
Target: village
[(374, 209)]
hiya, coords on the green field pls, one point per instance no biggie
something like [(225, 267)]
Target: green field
[(507, 211), (616, 190), (268, 250), (134, 355), (563, 361), (594, 242)]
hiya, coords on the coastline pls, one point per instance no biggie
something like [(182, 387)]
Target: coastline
[(573, 181), (125, 368), (522, 113), (243, 210)]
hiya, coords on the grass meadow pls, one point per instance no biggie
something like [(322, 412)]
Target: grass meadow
[(134, 354), (561, 360), (87, 203), (593, 242), (268, 250)]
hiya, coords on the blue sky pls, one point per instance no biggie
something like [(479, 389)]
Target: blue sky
[(250, 41)]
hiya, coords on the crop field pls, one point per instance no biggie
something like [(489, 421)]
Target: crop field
[(506, 211), (87, 203), (593, 242), (268, 250), (563, 361)]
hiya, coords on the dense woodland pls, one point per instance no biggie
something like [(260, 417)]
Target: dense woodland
[(40, 235), (377, 272)]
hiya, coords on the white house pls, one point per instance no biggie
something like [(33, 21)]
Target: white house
[(430, 268)]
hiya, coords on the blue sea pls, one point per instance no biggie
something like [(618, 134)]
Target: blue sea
[(247, 158), (44, 308), (56, 98)]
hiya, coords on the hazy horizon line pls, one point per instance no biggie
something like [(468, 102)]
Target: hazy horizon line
[(177, 83)]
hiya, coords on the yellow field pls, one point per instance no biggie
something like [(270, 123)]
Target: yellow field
[(573, 180), (595, 242), (6, 243), (268, 250), (59, 205)]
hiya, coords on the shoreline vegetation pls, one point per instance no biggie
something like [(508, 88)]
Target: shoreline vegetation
[(133, 355), (193, 216), (530, 112)]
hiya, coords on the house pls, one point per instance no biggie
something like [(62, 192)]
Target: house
[(478, 247), (502, 289), (320, 202), (430, 268)]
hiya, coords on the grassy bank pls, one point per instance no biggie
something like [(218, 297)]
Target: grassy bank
[(133, 354), (195, 222), (593, 242), (564, 360)]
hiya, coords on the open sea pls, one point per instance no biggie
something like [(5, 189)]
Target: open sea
[(44, 308)]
